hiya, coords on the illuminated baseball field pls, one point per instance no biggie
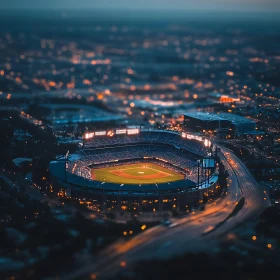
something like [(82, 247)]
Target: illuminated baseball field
[(139, 173)]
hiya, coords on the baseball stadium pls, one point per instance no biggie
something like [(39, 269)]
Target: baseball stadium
[(138, 170)]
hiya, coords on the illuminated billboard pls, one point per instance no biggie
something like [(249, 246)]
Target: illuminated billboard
[(89, 135), (207, 143), (208, 163), (193, 137), (132, 131), (100, 133), (111, 133), (121, 131)]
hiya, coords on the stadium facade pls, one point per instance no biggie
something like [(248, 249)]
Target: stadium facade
[(181, 152), (199, 121)]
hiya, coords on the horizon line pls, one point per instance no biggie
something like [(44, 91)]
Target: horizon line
[(209, 9)]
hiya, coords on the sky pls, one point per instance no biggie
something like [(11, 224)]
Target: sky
[(216, 5)]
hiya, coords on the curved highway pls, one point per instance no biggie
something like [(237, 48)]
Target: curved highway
[(198, 232)]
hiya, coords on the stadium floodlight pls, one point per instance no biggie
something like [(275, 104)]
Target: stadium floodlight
[(207, 143), (110, 133)]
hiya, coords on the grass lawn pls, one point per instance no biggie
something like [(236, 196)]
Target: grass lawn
[(139, 173)]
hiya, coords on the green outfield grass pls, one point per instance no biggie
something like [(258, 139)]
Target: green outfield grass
[(139, 173)]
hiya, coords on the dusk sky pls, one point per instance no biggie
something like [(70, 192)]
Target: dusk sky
[(230, 5)]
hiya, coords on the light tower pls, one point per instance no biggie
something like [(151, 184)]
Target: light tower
[(65, 167)]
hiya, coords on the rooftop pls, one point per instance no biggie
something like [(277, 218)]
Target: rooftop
[(204, 116), (235, 119)]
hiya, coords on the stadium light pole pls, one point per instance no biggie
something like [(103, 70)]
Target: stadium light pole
[(208, 173), (66, 156), (198, 163), (205, 171)]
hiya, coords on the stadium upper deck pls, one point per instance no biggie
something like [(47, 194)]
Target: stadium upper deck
[(133, 136)]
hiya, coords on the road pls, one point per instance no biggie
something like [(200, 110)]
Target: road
[(255, 152), (197, 232), (255, 197)]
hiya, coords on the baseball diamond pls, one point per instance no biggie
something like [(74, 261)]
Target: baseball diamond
[(136, 174)]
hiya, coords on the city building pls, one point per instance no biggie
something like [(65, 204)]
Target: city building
[(222, 122)]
